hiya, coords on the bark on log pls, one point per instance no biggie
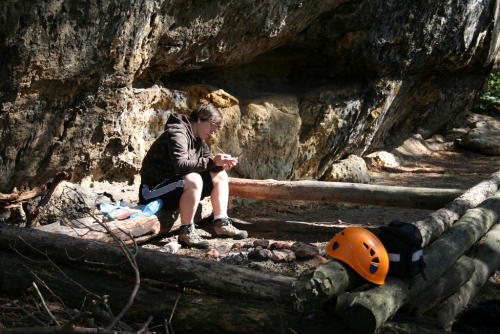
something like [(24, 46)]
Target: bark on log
[(327, 228), (195, 312), (486, 258), (317, 285), (205, 275), (441, 220), (448, 283), (141, 228), (352, 193), (367, 310)]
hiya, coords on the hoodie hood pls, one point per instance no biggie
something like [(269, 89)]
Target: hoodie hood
[(176, 119)]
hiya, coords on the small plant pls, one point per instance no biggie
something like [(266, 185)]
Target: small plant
[(492, 94)]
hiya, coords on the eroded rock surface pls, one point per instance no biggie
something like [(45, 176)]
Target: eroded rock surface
[(86, 86)]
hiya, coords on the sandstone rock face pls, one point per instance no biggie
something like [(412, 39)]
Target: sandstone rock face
[(86, 86)]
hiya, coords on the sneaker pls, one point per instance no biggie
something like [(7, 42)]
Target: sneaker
[(224, 228), (188, 237)]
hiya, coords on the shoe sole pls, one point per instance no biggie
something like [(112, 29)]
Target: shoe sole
[(235, 237), (202, 246)]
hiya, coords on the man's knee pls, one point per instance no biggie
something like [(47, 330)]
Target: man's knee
[(220, 178), (193, 181)]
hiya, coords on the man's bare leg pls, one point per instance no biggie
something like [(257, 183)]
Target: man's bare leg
[(223, 225), (220, 193), (188, 203)]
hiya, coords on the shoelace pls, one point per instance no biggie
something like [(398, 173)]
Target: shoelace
[(192, 232), (229, 223)]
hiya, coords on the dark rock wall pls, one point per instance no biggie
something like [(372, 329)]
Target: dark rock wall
[(87, 85)]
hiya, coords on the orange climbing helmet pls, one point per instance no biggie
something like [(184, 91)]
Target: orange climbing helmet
[(362, 251)]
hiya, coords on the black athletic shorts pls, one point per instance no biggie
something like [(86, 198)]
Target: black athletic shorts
[(170, 191)]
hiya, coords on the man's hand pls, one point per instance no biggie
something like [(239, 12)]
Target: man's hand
[(225, 160)]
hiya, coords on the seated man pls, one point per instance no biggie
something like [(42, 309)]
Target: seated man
[(180, 169)]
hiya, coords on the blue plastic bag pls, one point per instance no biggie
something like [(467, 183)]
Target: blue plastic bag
[(150, 209)]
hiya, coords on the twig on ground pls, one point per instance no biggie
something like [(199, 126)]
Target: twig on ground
[(22, 309), (43, 303), (169, 322), (145, 325)]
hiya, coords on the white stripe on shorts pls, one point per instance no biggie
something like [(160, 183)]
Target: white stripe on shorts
[(157, 192)]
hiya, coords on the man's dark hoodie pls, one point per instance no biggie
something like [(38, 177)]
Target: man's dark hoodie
[(176, 152)]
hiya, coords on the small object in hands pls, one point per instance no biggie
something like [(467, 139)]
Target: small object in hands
[(220, 149), (233, 156)]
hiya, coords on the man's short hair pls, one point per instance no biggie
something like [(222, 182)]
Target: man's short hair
[(207, 112)]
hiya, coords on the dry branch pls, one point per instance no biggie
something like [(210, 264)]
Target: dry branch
[(16, 198), (486, 258), (352, 193), (366, 311), (439, 221)]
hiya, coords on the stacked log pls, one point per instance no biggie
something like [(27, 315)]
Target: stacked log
[(316, 286), (366, 311)]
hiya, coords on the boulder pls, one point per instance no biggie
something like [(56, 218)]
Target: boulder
[(353, 169), (483, 137)]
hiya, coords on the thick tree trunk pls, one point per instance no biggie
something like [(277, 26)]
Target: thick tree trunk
[(200, 274), (352, 193), (486, 258), (441, 220), (452, 279), (366, 311), (140, 228), (195, 312)]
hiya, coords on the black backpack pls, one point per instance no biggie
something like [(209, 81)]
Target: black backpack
[(403, 243)]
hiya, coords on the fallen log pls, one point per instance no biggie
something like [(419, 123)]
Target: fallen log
[(486, 258), (200, 274), (441, 220), (195, 312), (140, 228), (366, 311), (341, 192), (319, 284), (448, 283)]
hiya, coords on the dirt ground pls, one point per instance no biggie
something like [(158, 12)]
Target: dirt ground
[(442, 163)]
